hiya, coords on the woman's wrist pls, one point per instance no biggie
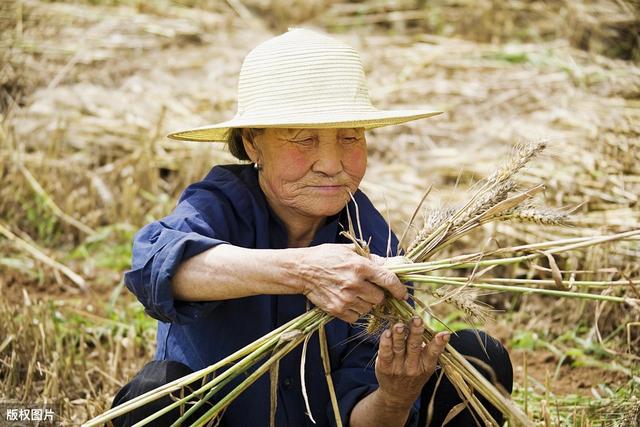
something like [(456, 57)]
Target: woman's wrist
[(291, 263), (380, 409), (398, 403)]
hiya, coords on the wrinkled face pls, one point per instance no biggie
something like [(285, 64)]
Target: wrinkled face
[(309, 172)]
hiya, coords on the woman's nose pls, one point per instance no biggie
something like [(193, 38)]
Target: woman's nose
[(329, 157)]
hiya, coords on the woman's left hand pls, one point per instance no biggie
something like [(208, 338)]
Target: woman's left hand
[(404, 363)]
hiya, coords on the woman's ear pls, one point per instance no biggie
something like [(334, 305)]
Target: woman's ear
[(248, 140)]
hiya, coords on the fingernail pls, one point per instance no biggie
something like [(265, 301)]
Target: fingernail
[(444, 337), (399, 328), (387, 333), (417, 321)]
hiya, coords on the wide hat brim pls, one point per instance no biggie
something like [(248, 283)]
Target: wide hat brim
[(368, 120)]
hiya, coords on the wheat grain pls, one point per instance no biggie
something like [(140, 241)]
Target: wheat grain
[(465, 300), (535, 215), (523, 153)]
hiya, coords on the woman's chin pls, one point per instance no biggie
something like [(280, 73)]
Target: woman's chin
[(326, 206)]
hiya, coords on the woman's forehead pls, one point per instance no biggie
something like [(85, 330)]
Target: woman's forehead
[(292, 132)]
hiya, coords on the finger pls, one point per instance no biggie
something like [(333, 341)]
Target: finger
[(372, 293), (377, 259), (389, 281), (349, 316), (433, 351), (414, 345), (398, 345), (385, 353), (361, 306)]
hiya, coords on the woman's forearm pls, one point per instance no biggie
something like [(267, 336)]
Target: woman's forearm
[(227, 272), (332, 276), (379, 411)]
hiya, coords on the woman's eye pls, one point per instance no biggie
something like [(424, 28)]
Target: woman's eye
[(304, 141), (350, 139)]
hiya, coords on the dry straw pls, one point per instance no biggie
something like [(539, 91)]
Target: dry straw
[(83, 113)]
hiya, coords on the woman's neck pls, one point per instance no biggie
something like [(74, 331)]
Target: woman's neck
[(301, 229), (301, 235)]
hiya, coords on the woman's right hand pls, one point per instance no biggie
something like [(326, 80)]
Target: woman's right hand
[(343, 283)]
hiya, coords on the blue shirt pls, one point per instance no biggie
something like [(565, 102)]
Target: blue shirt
[(227, 206)]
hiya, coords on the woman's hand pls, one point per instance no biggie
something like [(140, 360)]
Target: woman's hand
[(405, 363), (343, 283)]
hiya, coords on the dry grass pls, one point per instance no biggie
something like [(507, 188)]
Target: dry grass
[(605, 27), (87, 93), (70, 354)]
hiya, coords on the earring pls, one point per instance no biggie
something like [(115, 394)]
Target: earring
[(257, 167)]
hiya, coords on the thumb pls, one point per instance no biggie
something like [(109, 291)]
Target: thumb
[(434, 349)]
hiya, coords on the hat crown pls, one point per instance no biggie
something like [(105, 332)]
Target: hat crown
[(302, 79), (302, 71)]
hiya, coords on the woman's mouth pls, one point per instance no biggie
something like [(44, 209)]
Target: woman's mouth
[(330, 189)]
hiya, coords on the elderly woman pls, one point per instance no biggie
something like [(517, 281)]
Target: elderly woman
[(252, 246)]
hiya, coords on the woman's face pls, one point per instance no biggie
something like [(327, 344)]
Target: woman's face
[(309, 172)]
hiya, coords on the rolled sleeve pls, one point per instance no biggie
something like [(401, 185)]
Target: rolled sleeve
[(161, 246), (350, 389), (150, 280)]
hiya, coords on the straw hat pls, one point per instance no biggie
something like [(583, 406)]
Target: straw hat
[(302, 79)]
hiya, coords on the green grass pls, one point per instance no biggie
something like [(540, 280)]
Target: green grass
[(109, 248), (607, 403), (606, 407)]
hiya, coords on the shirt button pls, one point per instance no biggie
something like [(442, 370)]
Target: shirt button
[(287, 383)]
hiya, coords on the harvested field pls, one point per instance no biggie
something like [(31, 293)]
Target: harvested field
[(88, 90)]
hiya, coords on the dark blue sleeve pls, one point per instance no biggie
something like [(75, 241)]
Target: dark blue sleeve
[(356, 378), (199, 222)]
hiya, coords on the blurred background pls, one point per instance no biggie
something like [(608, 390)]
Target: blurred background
[(89, 89)]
